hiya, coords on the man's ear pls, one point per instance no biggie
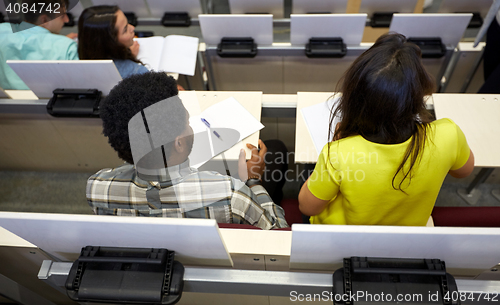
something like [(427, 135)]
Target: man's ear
[(43, 19), (179, 144)]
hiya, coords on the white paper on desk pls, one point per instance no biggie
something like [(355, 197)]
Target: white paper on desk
[(317, 118), (231, 114), (174, 53), (223, 116)]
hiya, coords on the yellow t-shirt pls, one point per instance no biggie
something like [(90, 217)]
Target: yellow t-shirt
[(358, 182)]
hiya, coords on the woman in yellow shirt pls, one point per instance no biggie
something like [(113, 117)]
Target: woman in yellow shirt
[(388, 159)]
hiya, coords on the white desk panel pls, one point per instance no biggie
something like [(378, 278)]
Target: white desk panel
[(195, 241), (465, 250), (274, 7), (215, 27), (43, 76), (478, 115), (449, 27), (319, 6), (138, 7), (160, 7), (349, 27), (387, 6)]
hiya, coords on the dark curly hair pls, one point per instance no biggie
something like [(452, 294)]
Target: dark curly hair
[(130, 96)]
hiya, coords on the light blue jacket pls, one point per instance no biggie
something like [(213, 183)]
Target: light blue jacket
[(126, 67), (28, 42)]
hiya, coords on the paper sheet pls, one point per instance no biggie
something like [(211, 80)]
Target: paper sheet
[(173, 53), (231, 114), (179, 54), (317, 118), (230, 119), (150, 49)]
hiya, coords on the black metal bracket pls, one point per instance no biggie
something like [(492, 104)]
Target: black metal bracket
[(126, 275), (381, 19), (176, 19), (372, 275), (237, 47), (431, 47), (71, 20), (476, 20), (131, 17), (319, 13), (74, 103), (326, 47)]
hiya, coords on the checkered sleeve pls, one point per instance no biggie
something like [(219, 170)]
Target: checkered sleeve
[(92, 184), (254, 206), (111, 190)]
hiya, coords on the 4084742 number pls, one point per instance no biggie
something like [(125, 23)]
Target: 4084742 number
[(39, 7), (471, 296)]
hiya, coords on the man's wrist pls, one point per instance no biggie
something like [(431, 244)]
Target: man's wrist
[(253, 180)]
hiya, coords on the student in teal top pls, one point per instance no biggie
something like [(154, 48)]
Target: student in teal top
[(104, 33), (36, 38)]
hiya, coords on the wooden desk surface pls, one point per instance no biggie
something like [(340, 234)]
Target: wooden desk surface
[(21, 94), (12, 240), (478, 115)]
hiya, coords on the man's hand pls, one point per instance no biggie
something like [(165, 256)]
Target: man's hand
[(256, 164), (242, 166), (72, 35), (135, 49)]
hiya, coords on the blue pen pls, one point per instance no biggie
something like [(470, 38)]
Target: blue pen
[(208, 125)]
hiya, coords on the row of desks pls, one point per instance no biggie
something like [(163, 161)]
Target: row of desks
[(218, 261), (34, 140)]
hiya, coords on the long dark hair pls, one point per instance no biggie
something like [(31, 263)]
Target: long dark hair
[(383, 99), (97, 36)]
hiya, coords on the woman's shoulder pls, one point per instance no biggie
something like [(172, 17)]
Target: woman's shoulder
[(444, 122), (127, 67), (446, 132), (444, 126)]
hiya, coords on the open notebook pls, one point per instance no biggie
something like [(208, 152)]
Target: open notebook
[(229, 123), (317, 118), (173, 53)]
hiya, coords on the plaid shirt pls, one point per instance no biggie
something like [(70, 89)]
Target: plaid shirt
[(184, 192)]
